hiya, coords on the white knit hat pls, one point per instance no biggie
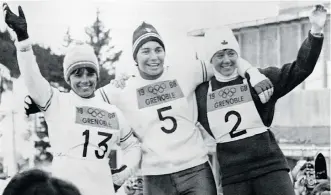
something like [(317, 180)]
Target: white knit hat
[(79, 56), (218, 39)]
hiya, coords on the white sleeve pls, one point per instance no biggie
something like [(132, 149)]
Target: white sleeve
[(243, 67), (110, 93), (129, 145), (103, 95), (38, 87), (201, 72)]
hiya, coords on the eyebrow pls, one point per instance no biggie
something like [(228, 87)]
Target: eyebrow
[(147, 48), (219, 52), (144, 49)]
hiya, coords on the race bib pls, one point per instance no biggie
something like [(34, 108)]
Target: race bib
[(232, 114), (96, 117), (228, 96), (158, 93)]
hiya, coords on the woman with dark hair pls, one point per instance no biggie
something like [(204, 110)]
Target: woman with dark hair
[(38, 182)]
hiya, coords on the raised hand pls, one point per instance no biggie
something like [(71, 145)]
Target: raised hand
[(317, 18), (261, 84), (120, 82), (264, 89), (118, 177), (30, 106), (17, 23)]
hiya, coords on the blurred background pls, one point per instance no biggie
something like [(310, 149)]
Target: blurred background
[(269, 33)]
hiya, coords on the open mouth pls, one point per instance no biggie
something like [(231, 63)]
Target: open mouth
[(226, 65), (153, 65), (85, 87)]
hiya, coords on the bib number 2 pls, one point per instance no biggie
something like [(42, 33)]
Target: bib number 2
[(234, 133), (163, 118)]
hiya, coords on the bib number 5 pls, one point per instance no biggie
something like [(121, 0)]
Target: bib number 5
[(234, 133), (163, 118)]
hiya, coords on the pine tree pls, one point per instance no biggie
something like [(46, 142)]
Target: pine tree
[(99, 39), (8, 54), (67, 38)]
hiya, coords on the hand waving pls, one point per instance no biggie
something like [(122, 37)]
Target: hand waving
[(17, 23), (317, 18)]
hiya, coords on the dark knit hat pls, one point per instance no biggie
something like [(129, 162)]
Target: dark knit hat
[(144, 33)]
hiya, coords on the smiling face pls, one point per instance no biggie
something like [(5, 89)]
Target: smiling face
[(225, 61), (83, 82), (150, 59)]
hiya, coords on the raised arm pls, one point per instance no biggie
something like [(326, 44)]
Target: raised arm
[(38, 87), (291, 75)]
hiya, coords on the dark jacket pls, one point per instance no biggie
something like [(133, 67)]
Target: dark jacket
[(257, 155)]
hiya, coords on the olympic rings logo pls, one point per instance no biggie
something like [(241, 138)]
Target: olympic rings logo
[(96, 112), (157, 89), (227, 93)]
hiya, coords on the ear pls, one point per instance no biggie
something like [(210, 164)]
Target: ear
[(69, 82), (211, 60)]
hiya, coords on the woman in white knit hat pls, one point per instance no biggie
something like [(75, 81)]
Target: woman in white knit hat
[(82, 129), (161, 106), (250, 159)]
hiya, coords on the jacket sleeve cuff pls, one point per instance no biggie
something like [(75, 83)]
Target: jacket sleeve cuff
[(317, 35), (24, 45)]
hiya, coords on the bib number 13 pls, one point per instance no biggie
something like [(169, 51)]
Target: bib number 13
[(103, 143), (234, 133), (163, 118)]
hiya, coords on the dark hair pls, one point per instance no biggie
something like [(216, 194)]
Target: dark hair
[(324, 186), (38, 182), (80, 70)]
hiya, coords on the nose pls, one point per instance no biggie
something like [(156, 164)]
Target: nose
[(226, 59), (153, 55), (84, 79)]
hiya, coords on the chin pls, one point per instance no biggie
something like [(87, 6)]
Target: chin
[(227, 73), (155, 72), (89, 95), (84, 94)]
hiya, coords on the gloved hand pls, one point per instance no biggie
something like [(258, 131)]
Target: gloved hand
[(120, 175), (30, 106), (299, 185), (17, 23), (209, 141), (120, 81), (261, 84), (132, 185), (317, 19)]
